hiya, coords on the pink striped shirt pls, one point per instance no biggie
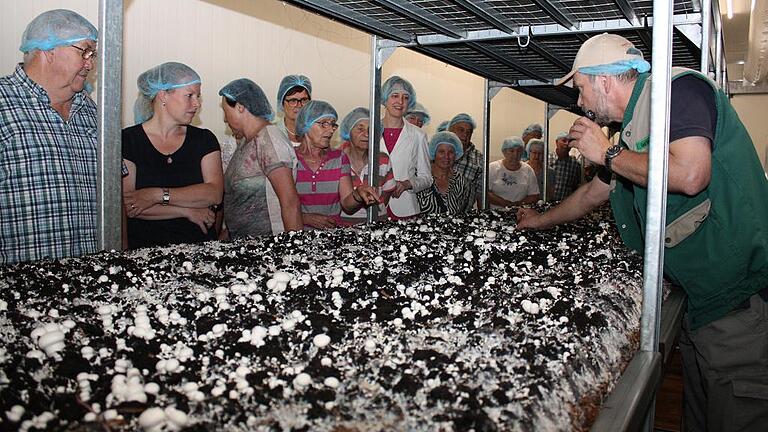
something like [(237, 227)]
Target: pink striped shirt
[(319, 190)]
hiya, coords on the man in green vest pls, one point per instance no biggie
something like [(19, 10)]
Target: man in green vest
[(716, 238)]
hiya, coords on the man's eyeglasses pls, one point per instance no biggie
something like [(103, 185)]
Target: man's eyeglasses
[(86, 53), (295, 102), (327, 124)]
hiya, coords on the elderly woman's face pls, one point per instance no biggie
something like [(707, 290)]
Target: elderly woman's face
[(536, 156), (415, 119), (445, 156), (182, 103), (397, 103), (292, 104), (513, 154), (320, 133), (358, 136)]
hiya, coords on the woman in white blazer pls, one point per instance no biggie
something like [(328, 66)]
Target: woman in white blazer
[(406, 146)]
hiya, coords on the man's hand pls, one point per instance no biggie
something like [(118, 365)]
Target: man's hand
[(587, 136), (528, 218)]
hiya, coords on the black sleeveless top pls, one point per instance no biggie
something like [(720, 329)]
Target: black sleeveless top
[(154, 169)]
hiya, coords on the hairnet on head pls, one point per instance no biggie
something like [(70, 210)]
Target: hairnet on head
[(533, 127), (512, 142), (290, 81), (442, 127), (419, 110), (463, 118), (535, 143), (163, 77), (445, 138), (248, 94), (312, 112), (351, 120), (395, 84), (561, 135), (56, 28)]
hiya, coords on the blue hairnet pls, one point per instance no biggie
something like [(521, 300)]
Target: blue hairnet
[(442, 127), (512, 142), (350, 120), (535, 142), (56, 28), (533, 127), (400, 85), (445, 138), (312, 112), (618, 67), (248, 94), (419, 110), (163, 77), (561, 135), (463, 118), (290, 81)]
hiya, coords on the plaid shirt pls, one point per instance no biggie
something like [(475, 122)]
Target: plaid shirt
[(47, 173), (470, 166), (567, 177)]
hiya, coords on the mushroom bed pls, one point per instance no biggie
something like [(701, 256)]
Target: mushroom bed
[(438, 323)]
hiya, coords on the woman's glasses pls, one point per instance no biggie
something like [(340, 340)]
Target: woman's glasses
[(86, 53), (293, 102), (327, 124)]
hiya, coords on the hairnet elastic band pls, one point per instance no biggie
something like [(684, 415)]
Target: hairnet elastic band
[(52, 42), (164, 87), (616, 68)]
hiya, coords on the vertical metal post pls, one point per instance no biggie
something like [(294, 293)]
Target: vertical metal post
[(545, 169), (486, 143), (109, 191), (718, 43), (374, 128), (706, 27)]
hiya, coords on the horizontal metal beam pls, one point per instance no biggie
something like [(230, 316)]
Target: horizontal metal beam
[(555, 11), (486, 13), (451, 59), (585, 28), (423, 17), (518, 66), (353, 18), (540, 50), (627, 10)]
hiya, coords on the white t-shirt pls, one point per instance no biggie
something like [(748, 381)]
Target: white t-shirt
[(511, 185)]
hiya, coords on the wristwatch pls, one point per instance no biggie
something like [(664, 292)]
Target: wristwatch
[(611, 154), (166, 196)]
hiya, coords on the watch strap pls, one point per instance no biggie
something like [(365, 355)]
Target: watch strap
[(166, 196)]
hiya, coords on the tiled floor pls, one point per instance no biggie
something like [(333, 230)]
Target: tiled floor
[(669, 398)]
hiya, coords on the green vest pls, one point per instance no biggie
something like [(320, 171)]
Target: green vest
[(716, 242)]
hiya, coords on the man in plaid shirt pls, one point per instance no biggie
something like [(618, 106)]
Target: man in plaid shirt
[(48, 143), (470, 164), (567, 169)]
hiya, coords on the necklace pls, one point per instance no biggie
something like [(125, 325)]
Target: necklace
[(169, 160)]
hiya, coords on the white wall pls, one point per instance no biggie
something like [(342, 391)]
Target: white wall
[(265, 40)]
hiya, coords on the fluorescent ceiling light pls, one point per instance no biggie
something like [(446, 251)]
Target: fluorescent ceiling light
[(729, 8)]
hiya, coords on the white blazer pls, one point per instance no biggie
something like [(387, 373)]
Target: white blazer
[(410, 161)]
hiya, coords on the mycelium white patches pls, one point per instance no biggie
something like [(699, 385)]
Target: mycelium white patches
[(440, 323)]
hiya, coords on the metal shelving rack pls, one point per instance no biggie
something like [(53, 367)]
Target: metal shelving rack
[(521, 44)]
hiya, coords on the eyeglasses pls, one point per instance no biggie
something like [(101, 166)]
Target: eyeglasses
[(295, 102), (86, 53), (327, 124)]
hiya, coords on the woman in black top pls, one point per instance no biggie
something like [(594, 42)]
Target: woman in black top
[(174, 170), (449, 193)]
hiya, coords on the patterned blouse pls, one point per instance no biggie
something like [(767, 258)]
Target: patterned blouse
[(456, 200)]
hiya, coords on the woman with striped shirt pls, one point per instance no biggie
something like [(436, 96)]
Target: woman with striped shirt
[(323, 178), (354, 132), (450, 193)]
